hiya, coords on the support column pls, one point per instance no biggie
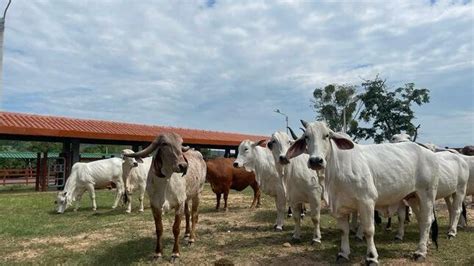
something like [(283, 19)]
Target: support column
[(136, 147), (66, 153), (75, 155), (38, 171), (227, 153)]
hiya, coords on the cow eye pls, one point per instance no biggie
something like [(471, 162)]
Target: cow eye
[(327, 136)]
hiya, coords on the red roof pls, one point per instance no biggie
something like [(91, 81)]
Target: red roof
[(63, 127)]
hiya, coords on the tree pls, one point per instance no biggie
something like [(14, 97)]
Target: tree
[(331, 101), (389, 112)]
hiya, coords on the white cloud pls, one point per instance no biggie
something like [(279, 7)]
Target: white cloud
[(228, 65)]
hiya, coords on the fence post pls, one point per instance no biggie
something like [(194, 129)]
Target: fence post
[(44, 165), (38, 170)]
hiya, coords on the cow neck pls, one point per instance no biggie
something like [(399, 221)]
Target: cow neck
[(264, 162)]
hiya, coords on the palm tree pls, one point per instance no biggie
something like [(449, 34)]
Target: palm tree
[(2, 29)]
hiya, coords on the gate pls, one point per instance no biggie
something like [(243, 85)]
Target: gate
[(56, 175)]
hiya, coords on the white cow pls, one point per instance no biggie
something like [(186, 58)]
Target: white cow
[(88, 176), (453, 178), (260, 160), (302, 183), (135, 172), (367, 177), (403, 137), (470, 184)]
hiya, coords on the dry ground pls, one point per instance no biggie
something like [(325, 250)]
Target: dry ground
[(30, 232)]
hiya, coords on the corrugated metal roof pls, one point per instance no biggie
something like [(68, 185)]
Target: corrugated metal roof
[(53, 126)]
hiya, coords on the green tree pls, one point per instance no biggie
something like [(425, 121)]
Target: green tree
[(331, 101), (388, 112)]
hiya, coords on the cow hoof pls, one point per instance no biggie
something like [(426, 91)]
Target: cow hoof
[(315, 241), (277, 228), (371, 262), (388, 229), (156, 257), (418, 257), (174, 258), (398, 238), (302, 215), (128, 211), (359, 238), (341, 259), (290, 215), (140, 210), (450, 236), (190, 243)]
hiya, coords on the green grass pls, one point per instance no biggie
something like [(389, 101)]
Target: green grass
[(31, 232)]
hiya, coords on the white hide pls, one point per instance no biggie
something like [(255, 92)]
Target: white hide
[(135, 172), (86, 177), (367, 177), (302, 184), (260, 161)]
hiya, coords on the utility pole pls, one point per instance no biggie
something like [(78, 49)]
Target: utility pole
[(2, 30)]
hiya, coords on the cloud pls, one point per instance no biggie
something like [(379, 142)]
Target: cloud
[(226, 65)]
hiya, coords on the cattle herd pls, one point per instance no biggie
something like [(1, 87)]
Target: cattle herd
[(354, 180)]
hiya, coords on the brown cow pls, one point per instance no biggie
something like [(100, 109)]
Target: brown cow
[(223, 176), (176, 176)]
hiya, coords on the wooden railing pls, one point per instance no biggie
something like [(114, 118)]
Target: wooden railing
[(18, 176)]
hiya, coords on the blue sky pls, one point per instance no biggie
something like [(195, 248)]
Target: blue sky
[(226, 65)]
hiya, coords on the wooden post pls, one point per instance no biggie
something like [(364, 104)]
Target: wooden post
[(38, 171), (44, 172), (75, 156)]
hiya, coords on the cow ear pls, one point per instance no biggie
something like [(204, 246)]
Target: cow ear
[(296, 148), (139, 160), (342, 142), (260, 142)]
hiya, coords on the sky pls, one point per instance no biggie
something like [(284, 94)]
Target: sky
[(227, 65)]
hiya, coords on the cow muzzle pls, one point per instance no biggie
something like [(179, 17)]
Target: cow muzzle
[(283, 159), (316, 163), (135, 164)]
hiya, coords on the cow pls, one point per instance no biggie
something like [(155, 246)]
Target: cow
[(468, 150), (367, 177), (303, 184), (176, 176), (88, 176), (470, 185), (223, 176), (260, 160), (135, 172)]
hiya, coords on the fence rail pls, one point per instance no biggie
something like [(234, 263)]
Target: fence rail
[(18, 176)]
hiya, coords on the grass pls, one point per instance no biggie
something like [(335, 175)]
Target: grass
[(32, 233)]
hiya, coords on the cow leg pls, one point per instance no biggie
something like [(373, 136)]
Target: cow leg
[(297, 211), (366, 210), (194, 219), (256, 195), (187, 215), (280, 202), (218, 199), (425, 217), (388, 227), (401, 221), (226, 194), (315, 206), (462, 221), (120, 191), (176, 229), (159, 231), (303, 210), (343, 224), (290, 213), (78, 200), (140, 199), (129, 204), (91, 190), (455, 213)]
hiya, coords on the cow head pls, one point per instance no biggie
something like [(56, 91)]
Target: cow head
[(62, 202), (246, 155), (169, 157), (128, 163), (316, 141), (279, 145), (403, 137)]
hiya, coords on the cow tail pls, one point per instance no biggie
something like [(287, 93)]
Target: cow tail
[(464, 212), (125, 198), (434, 229)]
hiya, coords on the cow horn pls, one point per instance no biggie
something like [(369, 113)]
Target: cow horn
[(145, 152), (293, 135), (304, 123), (302, 129)]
